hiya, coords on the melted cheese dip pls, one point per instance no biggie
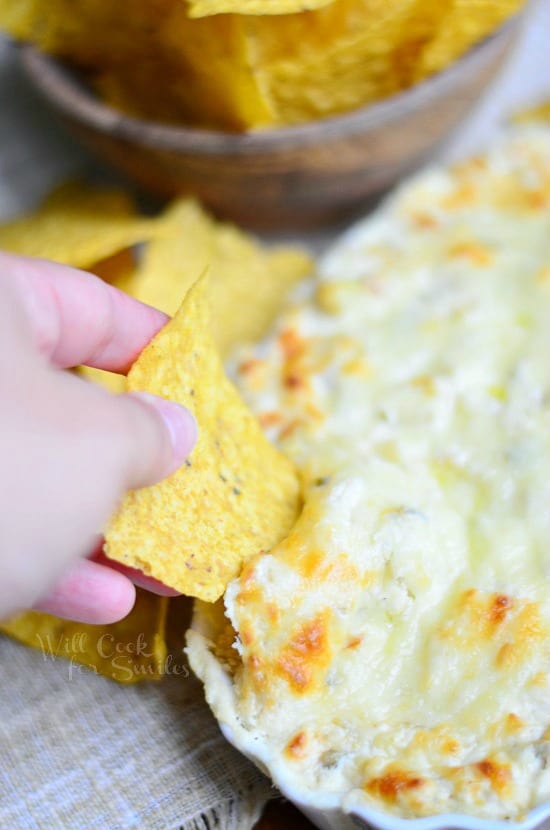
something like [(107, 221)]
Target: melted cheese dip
[(395, 649)]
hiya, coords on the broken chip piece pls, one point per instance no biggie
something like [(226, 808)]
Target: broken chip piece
[(79, 226)]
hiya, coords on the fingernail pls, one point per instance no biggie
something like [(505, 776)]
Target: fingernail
[(180, 423)]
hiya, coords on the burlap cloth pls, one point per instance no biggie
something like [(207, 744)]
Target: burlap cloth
[(81, 752), (78, 751)]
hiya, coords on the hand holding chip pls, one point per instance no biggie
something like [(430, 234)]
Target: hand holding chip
[(70, 450)]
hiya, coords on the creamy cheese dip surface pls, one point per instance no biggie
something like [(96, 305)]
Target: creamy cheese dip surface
[(395, 649)]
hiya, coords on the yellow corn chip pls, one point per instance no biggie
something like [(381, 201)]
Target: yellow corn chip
[(219, 631), (117, 269), (539, 112), (169, 266), (214, 82), (243, 275), (340, 57), (202, 8), (267, 62), (116, 384), (73, 27), (258, 282), (247, 283), (463, 25), (78, 226), (128, 651), (236, 494), (154, 62)]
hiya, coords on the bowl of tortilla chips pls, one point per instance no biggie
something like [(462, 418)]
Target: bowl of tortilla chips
[(273, 114)]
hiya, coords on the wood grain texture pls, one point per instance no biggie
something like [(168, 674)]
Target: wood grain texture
[(289, 177)]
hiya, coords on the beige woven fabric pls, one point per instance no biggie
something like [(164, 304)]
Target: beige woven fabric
[(81, 752)]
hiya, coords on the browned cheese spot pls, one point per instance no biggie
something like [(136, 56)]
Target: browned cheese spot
[(497, 774), (293, 381), (270, 419), (393, 783), (295, 748), (291, 343), (306, 652), (354, 643), (501, 604)]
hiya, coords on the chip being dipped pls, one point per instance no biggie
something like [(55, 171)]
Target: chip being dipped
[(235, 496)]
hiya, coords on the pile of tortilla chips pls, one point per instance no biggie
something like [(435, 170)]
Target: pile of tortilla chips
[(247, 64), (193, 530)]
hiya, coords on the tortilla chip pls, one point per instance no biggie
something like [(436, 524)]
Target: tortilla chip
[(79, 226), (213, 76), (235, 495), (219, 632), (117, 269), (203, 8), (87, 31), (539, 112), (243, 276), (128, 651), (116, 384), (266, 62), (340, 57), (463, 25)]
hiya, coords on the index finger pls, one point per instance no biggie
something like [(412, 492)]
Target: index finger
[(76, 318)]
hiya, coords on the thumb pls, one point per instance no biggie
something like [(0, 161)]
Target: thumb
[(69, 453), (157, 436)]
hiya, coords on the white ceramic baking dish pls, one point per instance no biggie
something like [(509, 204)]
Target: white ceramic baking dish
[(327, 811), (330, 813)]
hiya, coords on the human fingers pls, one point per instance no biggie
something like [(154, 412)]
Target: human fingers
[(70, 452), (90, 593), (76, 318), (138, 578)]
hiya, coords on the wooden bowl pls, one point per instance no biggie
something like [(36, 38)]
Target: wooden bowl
[(287, 177)]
